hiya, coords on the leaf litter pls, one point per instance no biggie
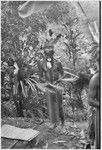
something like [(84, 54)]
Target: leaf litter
[(71, 136)]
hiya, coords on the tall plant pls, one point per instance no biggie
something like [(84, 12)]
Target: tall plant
[(72, 35)]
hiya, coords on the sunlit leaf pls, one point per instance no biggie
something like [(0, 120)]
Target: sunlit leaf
[(32, 86)]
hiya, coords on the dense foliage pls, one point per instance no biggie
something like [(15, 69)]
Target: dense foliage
[(21, 41)]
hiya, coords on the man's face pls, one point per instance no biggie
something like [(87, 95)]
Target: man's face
[(49, 54)]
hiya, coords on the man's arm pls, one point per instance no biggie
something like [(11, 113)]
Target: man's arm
[(93, 87)]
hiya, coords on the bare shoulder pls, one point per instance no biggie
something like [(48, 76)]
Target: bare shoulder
[(94, 80)]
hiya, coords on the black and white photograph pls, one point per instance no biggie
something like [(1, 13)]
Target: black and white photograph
[(51, 74)]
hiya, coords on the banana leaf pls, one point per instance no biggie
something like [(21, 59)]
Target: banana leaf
[(30, 7), (88, 13)]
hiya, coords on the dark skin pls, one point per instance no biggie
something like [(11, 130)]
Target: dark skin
[(52, 74), (93, 89), (94, 101)]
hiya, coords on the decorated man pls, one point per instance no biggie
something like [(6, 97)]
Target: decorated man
[(50, 71)]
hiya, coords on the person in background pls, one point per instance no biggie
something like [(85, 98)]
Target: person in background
[(49, 72), (94, 101)]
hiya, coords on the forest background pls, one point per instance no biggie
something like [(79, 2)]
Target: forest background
[(22, 39)]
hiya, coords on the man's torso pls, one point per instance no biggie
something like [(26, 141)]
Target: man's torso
[(51, 74)]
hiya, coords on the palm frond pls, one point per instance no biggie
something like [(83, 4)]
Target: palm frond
[(23, 89), (33, 80), (31, 85)]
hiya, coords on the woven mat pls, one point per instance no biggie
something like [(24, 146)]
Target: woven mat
[(11, 132)]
